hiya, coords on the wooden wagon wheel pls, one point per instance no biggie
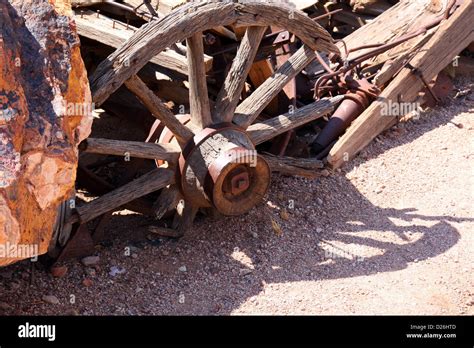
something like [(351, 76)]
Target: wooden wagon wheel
[(213, 162)]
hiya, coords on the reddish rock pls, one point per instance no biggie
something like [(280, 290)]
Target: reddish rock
[(58, 271), (87, 282), (41, 76)]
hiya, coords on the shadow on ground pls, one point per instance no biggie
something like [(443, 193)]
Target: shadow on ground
[(214, 282)]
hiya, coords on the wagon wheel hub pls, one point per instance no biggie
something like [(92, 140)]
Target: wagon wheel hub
[(220, 168)]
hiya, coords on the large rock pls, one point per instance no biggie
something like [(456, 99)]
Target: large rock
[(45, 111)]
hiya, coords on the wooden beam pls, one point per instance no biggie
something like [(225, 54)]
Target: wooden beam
[(276, 165), (223, 31), (452, 36), (388, 71), (163, 7), (305, 163), (260, 72), (390, 25)]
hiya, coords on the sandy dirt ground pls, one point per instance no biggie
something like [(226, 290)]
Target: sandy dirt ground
[(389, 233)]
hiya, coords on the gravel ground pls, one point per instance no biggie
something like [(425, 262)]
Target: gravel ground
[(390, 233)]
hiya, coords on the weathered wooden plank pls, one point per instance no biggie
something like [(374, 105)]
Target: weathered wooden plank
[(263, 131), (147, 183), (165, 232), (276, 165), (259, 73), (389, 70), (223, 31), (373, 7), (98, 186), (391, 24), (302, 4), (305, 163), (450, 39), (166, 152), (163, 7)]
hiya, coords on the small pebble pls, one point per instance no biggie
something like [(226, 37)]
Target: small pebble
[(90, 261), (325, 172), (91, 272), (72, 311), (50, 299), (284, 215), (114, 270), (5, 306), (245, 271), (58, 271), (6, 274)]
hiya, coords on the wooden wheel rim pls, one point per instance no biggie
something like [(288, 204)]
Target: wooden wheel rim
[(201, 16)]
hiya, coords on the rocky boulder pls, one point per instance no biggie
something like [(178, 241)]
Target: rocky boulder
[(45, 112)]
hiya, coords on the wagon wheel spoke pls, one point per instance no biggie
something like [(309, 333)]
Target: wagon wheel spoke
[(158, 109), (147, 183), (168, 199), (264, 131), (184, 217), (229, 94), (136, 149), (198, 96), (250, 108), (182, 221)]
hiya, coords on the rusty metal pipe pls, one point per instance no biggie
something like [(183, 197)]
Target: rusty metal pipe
[(347, 112)]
